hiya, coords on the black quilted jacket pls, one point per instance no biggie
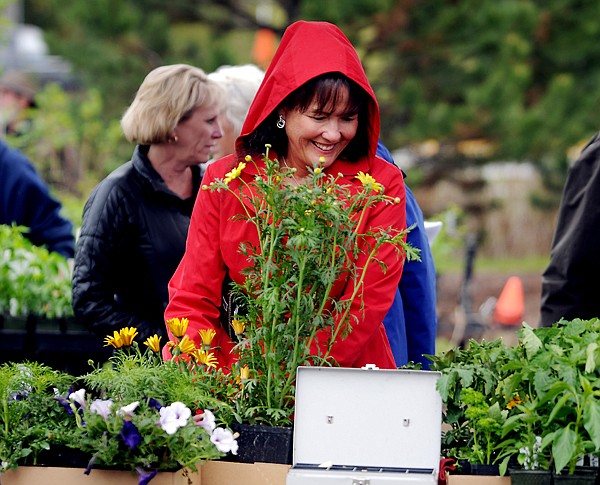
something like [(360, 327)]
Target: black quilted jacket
[(132, 239)]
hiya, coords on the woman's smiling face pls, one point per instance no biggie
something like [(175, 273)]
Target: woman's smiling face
[(317, 133)]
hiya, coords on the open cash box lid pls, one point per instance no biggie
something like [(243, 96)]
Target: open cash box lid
[(368, 418)]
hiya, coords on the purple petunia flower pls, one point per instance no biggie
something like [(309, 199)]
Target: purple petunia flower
[(19, 395), (153, 403), (130, 434), (65, 403), (144, 477), (90, 464)]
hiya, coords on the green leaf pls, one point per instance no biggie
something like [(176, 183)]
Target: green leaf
[(591, 420), (530, 340), (444, 384), (563, 447), (590, 363), (558, 406)]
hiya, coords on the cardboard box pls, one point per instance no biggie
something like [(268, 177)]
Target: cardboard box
[(209, 473), (29, 475), (476, 480), (226, 473)]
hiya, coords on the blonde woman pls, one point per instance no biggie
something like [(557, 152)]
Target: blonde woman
[(136, 220)]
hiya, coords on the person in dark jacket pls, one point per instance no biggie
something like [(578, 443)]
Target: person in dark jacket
[(569, 285), (17, 99), (411, 322), (25, 200), (135, 222)]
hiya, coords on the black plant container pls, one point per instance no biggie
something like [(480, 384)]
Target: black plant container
[(519, 476), (60, 456), (584, 475), (264, 444), (467, 468)]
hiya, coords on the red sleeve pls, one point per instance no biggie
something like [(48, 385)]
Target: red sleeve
[(195, 288)]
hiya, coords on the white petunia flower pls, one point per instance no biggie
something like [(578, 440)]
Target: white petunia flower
[(224, 441), (78, 397), (101, 407), (127, 411), (174, 417), (206, 421)]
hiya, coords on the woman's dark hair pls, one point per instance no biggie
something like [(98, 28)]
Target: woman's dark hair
[(326, 91)]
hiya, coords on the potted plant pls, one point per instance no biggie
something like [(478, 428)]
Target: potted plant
[(147, 415), (558, 376), (308, 236), (33, 281), (31, 420), (541, 394), (36, 317), (474, 405)]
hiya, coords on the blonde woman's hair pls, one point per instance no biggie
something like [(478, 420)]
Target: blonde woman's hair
[(167, 96)]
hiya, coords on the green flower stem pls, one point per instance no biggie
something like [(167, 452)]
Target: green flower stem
[(355, 292), (78, 419), (298, 350), (329, 286), (6, 416), (266, 278)]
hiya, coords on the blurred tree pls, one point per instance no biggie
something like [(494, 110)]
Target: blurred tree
[(516, 79), (111, 43), (486, 79), (69, 142)]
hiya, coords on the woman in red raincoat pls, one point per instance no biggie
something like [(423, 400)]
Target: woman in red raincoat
[(315, 102)]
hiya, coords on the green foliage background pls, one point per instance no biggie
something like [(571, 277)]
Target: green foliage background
[(520, 77)]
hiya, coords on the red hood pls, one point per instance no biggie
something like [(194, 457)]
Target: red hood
[(307, 50)]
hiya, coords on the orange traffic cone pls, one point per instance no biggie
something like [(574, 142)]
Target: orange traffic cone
[(510, 306)]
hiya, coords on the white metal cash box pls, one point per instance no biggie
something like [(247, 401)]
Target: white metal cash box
[(366, 426)]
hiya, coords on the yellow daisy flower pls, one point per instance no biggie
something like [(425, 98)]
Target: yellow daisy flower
[(206, 358), (235, 173), (116, 341), (127, 335), (369, 182), (186, 346), (207, 335), (153, 343), (245, 372), (238, 326), (178, 326)]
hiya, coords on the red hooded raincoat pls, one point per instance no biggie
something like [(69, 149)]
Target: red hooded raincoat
[(307, 49)]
